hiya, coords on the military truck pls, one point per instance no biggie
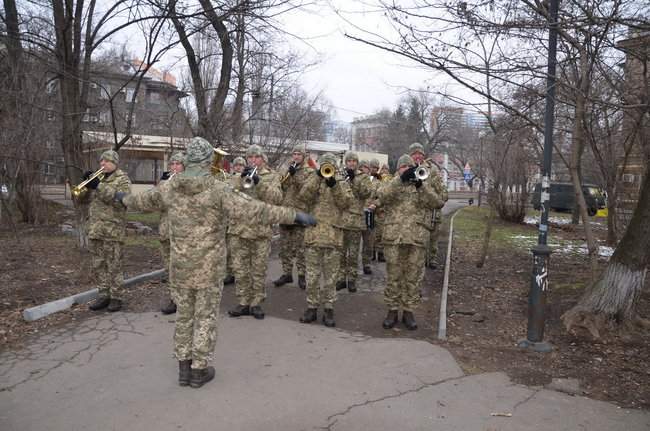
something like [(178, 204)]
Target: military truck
[(563, 197)]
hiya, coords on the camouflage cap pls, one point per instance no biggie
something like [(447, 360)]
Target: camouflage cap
[(299, 148), (351, 155), (110, 156), (416, 147), (327, 158), (199, 150), (374, 163), (177, 157), (239, 161), (405, 160), (254, 150)]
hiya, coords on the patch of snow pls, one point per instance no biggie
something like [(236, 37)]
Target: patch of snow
[(559, 221)]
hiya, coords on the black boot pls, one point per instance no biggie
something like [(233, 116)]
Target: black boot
[(100, 303), (184, 372), (311, 314), (201, 376), (114, 305), (257, 312), (328, 318), (408, 319), (302, 283), (367, 270), (240, 310), (341, 284), (391, 319), (284, 279), (380, 256), (351, 287), (168, 306), (230, 279)]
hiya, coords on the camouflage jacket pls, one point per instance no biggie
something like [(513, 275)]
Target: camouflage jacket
[(196, 207), (407, 211), (107, 218), (267, 190), (362, 189), (436, 182), (292, 185), (327, 204)]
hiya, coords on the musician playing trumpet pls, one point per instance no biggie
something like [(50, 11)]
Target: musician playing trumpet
[(251, 242), (106, 230)]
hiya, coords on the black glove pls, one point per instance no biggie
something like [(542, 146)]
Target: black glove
[(93, 183), (418, 184), (247, 170), (305, 219), (350, 174), (86, 175), (292, 169), (119, 196), (331, 181), (165, 176), (408, 175)]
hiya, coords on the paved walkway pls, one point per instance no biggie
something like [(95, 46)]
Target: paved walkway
[(115, 372)]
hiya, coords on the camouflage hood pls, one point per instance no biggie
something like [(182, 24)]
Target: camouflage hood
[(190, 184)]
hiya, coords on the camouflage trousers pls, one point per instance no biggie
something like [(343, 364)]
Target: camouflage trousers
[(379, 233), (165, 253), (292, 249), (321, 262), (196, 323), (404, 273), (368, 241), (249, 262), (229, 270), (433, 242), (106, 268), (349, 264)]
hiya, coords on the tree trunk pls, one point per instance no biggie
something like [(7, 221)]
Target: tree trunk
[(486, 236), (612, 298), (612, 226), (236, 121)]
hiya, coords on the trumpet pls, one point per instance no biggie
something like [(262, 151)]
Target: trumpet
[(327, 170), (80, 190), (248, 179), (288, 174), (421, 173)]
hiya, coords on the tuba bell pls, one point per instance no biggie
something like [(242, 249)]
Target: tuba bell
[(216, 169), (80, 190)]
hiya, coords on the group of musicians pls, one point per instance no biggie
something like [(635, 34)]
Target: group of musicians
[(327, 211)]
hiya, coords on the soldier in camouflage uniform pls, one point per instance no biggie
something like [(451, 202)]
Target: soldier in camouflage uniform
[(416, 150), (326, 198), (238, 165), (106, 231), (250, 244), (379, 213), (368, 235), (292, 247), (408, 204), (197, 204), (353, 221), (176, 165)]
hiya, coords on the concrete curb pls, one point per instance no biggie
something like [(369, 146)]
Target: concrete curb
[(442, 322), (35, 313)]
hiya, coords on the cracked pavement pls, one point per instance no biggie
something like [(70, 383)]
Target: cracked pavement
[(116, 371)]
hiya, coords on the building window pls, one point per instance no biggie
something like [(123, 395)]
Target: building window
[(105, 92), (89, 117), (154, 97), (52, 86), (628, 178), (104, 117), (130, 95)]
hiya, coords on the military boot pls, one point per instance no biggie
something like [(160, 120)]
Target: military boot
[(168, 306), (328, 318), (284, 279), (230, 279), (302, 283), (391, 320), (100, 303), (240, 310), (184, 372), (408, 319), (311, 314), (367, 270), (341, 284), (201, 376), (380, 256), (257, 312), (114, 305), (351, 287)]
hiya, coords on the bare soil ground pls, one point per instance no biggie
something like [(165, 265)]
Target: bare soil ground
[(487, 306)]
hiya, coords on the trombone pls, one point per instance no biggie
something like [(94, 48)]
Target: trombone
[(248, 179), (80, 190)]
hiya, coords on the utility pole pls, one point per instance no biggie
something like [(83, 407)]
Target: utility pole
[(541, 252)]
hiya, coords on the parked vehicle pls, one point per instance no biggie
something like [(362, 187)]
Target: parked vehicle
[(563, 197)]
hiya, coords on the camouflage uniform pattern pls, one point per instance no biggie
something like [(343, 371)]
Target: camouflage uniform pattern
[(323, 241), (196, 204), (354, 223), (380, 217), (249, 243), (368, 235), (406, 230), (441, 190), (106, 232), (292, 248)]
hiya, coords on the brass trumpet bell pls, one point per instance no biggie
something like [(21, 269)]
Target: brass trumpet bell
[(80, 190), (327, 170)]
